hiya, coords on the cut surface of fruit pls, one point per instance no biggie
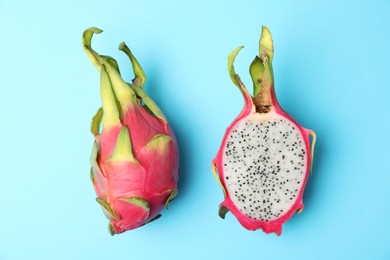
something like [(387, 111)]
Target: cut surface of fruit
[(264, 165)]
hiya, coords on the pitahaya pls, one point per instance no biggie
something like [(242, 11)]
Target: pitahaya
[(265, 156), (135, 155)]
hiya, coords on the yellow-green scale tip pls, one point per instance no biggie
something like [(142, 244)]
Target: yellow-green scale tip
[(266, 43)]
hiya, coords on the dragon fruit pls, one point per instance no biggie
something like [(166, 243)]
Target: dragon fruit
[(135, 154), (265, 157)]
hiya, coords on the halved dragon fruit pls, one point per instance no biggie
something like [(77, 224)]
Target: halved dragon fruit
[(135, 155), (265, 156)]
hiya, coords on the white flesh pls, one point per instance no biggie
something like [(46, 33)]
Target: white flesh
[(264, 164)]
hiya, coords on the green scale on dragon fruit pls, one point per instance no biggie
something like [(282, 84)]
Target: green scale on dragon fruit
[(265, 157)]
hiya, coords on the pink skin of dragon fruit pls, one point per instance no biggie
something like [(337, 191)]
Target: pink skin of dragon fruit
[(265, 156), (135, 155)]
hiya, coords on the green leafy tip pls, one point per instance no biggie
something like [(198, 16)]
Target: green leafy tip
[(96, 59), (86, 40), (93, 158), (266, 44), (313, 144), (96, 121), (111, 229), (231, 58), (222, 212), (172, 195), (215, 173), (139, 74), (91, 175), (261, 69)]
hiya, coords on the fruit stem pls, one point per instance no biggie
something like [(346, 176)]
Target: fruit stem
[(262, 73)]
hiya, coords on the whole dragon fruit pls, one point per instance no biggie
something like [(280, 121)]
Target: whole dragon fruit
[(265, 156), (135, 155)]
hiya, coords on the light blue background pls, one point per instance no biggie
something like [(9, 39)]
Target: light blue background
[(332, 70)]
